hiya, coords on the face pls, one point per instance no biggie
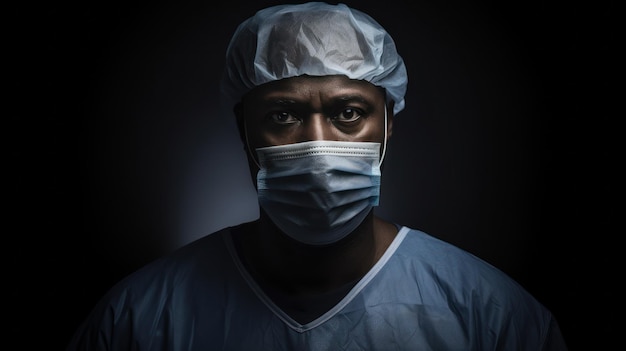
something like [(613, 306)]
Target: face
[(308, 108)]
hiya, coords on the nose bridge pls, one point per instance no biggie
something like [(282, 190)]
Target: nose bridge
[(316, 127)]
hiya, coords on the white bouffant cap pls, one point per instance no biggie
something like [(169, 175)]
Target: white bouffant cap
[(314, 39)]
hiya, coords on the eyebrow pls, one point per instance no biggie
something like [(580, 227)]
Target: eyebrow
[(353, 98), (283, 102)]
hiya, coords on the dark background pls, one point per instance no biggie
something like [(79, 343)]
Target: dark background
[(119, 153)]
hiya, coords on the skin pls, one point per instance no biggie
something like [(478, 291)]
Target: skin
[(302, 109)]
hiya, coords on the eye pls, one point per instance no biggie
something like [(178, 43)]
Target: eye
[(282, 117), (348, 115)]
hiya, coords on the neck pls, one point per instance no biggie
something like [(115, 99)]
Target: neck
[(283, 264)]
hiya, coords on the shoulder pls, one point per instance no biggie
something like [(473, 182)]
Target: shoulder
[(158, 292), (453, 266), (201, 257), (471, 288)]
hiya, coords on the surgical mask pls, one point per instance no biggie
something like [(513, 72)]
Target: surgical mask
[(317, 192)]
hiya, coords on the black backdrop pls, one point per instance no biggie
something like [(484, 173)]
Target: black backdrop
[(118, 152)]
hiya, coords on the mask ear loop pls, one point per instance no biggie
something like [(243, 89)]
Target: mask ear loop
[(245, 131), (382, 157)]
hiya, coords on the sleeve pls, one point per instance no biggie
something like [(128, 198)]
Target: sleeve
[(107, 327), (554, 339)]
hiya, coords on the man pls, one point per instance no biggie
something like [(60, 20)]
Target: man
[(314, 88)]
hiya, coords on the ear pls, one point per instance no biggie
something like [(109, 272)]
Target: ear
[(390, 105), (238, 110), (241, 128)]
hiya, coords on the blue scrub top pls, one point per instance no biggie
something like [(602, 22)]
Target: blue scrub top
[(423, 294)]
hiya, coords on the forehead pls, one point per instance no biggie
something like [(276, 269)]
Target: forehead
[(315, 87)]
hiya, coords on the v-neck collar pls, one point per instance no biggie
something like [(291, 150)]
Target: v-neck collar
[(293, 324)]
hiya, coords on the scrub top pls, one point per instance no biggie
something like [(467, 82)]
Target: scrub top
[(423, 294)]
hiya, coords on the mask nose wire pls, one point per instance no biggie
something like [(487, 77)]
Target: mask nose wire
[(382, 156)]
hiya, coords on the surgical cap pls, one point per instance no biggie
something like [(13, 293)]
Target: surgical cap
[(314, 39)]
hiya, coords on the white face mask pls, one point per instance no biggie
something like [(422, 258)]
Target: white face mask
[(318, 192)]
